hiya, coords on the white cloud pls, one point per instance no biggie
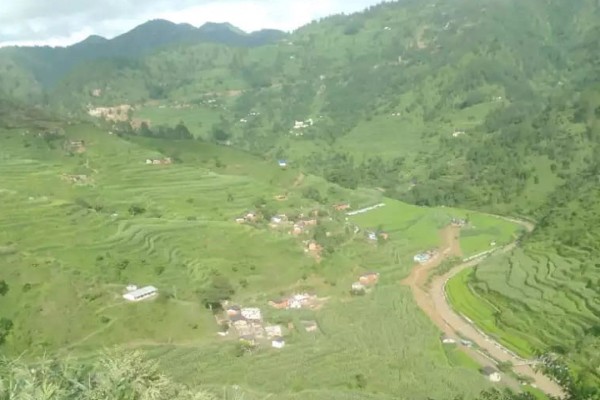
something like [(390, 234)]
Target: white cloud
[(61, 22)]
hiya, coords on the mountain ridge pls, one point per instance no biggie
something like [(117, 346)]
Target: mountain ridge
[(49, 65)]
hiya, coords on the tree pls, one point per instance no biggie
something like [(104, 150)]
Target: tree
[(115, 375), (182, 132), (6, 326), (219, 289), (220, 134), (3, 287)]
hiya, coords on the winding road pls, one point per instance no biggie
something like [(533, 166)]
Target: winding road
[(432, 299)]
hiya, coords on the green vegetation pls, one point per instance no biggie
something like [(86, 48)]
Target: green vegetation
[(485, 314), (84, 222), (491, 106)]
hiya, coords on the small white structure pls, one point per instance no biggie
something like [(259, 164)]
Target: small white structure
[(252, 314), (448, 340), (282, 163), (131, 288), (141, 294), (492, 374), (278, 343), (274, 331)]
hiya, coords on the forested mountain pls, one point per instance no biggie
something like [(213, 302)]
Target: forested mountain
[(508, 75), (45, 66)]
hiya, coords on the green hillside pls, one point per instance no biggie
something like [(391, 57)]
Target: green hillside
[(85, 216), (26, 70), (432, 108)]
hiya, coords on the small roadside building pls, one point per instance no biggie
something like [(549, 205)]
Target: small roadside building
[(141, 293), (278, 343), (491, 373), (447, 339)]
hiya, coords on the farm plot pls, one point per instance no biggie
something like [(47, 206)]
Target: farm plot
[(530, 300)]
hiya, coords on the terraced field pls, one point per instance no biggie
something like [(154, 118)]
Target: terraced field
[(69, 249), (533, 300), (384, 338)]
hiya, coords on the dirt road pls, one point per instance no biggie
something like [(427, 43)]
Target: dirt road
[(432, 300)]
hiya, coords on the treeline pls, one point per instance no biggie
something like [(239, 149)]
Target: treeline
[(177, 132)]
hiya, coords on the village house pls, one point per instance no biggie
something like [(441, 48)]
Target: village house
[(297, 229), (422, 258), (369, 278), (163, 161), (372, 236), (273, 331), (252, 314), (278, 343), (461, 222), (358, 288), (310, 326), (232, 310), (282, 163), (341, 207), (491, 374), (250, 216), (75, 146), (447, 339), (280, 304), (141, 294)]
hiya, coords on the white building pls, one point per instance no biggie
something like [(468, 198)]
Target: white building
[(274, 331), (278, 343), (252, 314), (492, 374), (141, 294)]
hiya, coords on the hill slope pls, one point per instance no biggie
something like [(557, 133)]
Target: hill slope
[(48, 65)]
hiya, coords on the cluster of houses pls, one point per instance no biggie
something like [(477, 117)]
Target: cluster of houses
[(295, 302), (376, 236), (252, 114), (117, 113), (159, 161), (460, 222), (424, 257), (365, 282), (249, 326), (300, 125)]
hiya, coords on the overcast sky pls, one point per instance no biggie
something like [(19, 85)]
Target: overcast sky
[(63, 22)]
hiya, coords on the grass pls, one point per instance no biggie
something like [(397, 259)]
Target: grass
[(459, 358), (70, 250)]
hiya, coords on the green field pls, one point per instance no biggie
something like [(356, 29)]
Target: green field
[(483, 313), (519, 298), (69, 250)]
